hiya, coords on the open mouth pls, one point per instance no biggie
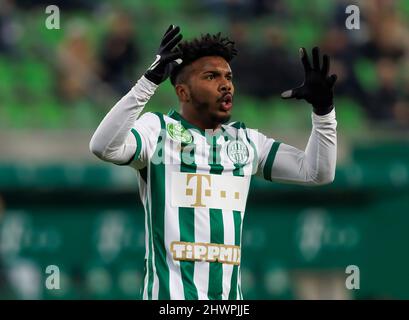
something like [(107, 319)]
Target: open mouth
[(227, 102)]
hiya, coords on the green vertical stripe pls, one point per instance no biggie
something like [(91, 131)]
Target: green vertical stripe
[(215, 289), (158, 214), (138, 144), (187, 224), (270, 160), (150, 264), (234, 278), (238, 172)]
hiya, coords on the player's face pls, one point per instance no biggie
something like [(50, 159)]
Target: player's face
[(211, 88)]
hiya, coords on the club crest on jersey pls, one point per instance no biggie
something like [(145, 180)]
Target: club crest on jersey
[(179, 133), (238, 152)]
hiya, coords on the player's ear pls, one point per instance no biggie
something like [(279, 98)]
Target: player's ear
[(183, 92)]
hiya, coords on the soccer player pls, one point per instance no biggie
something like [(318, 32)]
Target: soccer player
[(194, 169)]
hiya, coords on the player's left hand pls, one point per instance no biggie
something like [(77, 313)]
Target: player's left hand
[(167, 56), (317, 88)]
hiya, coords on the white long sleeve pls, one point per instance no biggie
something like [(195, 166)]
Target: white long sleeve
[(314, 166), (113, 140)]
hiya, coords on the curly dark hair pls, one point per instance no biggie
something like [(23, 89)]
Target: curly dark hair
[(206, 45)]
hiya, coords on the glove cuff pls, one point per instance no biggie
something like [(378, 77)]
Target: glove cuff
[(317, 120), (323, 111), (144, 89), (152, 77)]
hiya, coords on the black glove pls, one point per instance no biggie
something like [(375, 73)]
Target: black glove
[(166, 58), (317, 86)]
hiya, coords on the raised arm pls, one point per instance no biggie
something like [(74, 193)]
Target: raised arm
[(316, 165), (113, 141)]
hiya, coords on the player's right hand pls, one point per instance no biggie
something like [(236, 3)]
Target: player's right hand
[(317, 88), (167, 57)]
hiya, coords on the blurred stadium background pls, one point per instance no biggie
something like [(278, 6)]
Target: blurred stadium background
[(60, 206)]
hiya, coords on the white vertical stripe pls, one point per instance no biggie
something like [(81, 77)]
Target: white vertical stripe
[(228, 225), (172, 231), (228, 219), (202, 220), (202, 234), (247, 169)]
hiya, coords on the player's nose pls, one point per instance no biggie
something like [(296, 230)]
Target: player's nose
[(225, 86)]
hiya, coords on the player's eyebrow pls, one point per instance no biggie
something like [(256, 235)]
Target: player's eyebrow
[(228, 73)]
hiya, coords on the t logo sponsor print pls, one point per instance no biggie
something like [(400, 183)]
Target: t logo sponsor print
[(209, 191), (199, 195)]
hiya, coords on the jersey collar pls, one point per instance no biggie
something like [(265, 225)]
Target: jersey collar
[(178, 117)]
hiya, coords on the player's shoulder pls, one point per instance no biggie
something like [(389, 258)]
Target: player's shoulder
[(149, 123), (152, 119), (234, 128), (237, 127), (158, 117)]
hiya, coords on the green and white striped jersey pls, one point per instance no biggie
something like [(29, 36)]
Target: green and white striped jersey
[(194, 187)]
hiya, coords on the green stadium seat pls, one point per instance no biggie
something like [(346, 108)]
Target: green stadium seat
[(17, 115), (282, 114), (305, 33), (82, 114), (403, 8), (319, 8), (366, 72), (50, 115), (8, 79), (167, 6), (36, 79), (323, 8), (296, 7), (350, 115), (247, 109), (36, 74), (49, 37)]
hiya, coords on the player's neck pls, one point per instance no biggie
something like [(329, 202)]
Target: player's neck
[(198, 120)]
